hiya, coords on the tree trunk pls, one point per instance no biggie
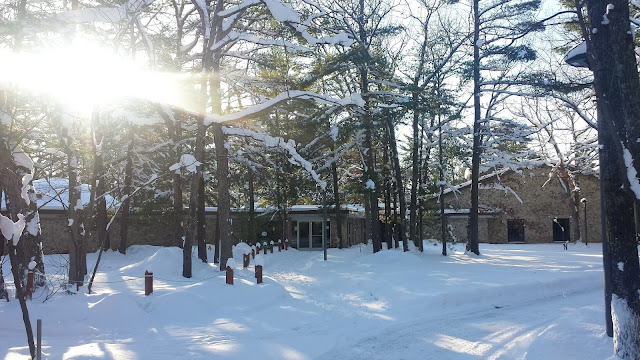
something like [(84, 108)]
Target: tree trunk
[(98, 181), (126, 204), (386, 178), (398, 182), (370, 177), (202, 221), (253, 238), (224, 201), (443, 218), (612, 58), (77, 250), (472, 239), (193, 227), (415, 165), (20, 292), (336, 197), (175, 154)]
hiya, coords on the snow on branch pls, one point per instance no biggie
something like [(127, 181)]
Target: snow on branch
[(105, 14), (497, 186), (236, 36), (188, 162), (11, 230), (355, 100), (338, 154), (271, 141), (203, 11)]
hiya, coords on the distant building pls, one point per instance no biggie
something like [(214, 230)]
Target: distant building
[(302, 223), (524, 206)]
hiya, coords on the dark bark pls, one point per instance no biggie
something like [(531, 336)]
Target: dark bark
[(417, 141), (224, 201), (612, 59), (415, 165), (369, 173), (336, 197), (126, 204), (216, 242), (194, 196), (443, 218), (393, 146), (472, 238), (386, 178), (396, 234), (202, 228), (20, 293), (253, 238), (98, 183), (77, 250)]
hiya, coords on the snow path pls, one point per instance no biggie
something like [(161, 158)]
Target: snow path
[(505, 333), (512, 302)]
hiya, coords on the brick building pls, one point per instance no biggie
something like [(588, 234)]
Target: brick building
[(525, 206)]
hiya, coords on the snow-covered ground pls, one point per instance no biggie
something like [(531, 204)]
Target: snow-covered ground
[(512, 302)]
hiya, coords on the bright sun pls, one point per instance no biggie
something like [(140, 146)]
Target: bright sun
[(83, 75)]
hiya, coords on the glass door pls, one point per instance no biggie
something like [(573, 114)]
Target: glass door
[(303, 235), (316, 230)]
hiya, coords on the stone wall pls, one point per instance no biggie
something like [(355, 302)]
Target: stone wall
[(531, 196), (156, 230)]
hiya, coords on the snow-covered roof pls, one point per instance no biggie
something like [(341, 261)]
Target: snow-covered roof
[(53, 194), (293, 208), (481, 211)]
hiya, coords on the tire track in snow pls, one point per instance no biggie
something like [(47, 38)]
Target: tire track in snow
[(478, 333)]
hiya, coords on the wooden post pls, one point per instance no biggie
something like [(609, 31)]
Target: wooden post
[(148, 283), (271, 246), (29, 284), (229, 275), (259, 274), (264, 246), (253, 253), (245, 260), (286, 244), (279, 245), (39, 340)]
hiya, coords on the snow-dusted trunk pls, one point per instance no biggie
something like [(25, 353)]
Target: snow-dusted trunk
[(612, 59), (386, 180), (193, 227), (370, 172), (414, 207), (20, 293), (30, 246), (443, 218), (415, 166), (178, 216), (224, 200), (20, 169), (472, 238), (393, 146), (253, 238), (77, 250), (126, 204), (202, 229), (336, 197), (100, 214), (12, 186), (623, 254)]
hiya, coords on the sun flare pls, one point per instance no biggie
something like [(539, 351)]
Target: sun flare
[(84, 74)]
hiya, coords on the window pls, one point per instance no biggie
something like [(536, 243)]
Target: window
[(561, 229), (515, 230), (309, 234)]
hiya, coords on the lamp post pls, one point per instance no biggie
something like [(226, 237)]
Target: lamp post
[(584, 202), (324, 222)]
